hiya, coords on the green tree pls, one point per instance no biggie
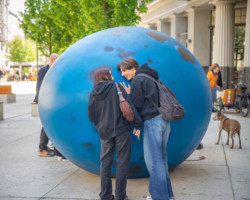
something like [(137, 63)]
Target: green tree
[(57, 24), (30, 49), (17, 52), (20, 51)]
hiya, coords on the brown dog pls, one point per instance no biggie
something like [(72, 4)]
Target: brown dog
[(231, 126)]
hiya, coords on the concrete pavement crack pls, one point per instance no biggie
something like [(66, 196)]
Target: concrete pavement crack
[(17, 116), (43, 197), (228, 170)]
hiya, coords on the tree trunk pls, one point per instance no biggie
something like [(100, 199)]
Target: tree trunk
[(20, 71), (104, 7)]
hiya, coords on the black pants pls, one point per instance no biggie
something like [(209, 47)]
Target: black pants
[(43, 140), (122, 144)]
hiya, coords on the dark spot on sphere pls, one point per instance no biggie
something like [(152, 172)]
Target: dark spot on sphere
[(120, 50), (73, 119), (126, 54), (92, 72), (134, 170), (150, 60), (186, 55), (158, 36), (108, 49), (118, 31), (146, 46), (87, 144), (141, 158)]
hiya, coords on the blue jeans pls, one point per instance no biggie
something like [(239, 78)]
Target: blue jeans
[(155, 139)]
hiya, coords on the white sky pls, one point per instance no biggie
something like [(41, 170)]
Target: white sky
[(16, 6)]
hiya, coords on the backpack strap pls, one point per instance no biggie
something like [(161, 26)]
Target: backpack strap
[(150, 77), (157, 82)]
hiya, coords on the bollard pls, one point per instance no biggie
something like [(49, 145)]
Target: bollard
[(34, 109), (6, 95), (1, 110)]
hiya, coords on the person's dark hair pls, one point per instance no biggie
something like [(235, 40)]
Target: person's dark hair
[(103, 75), (128, 63)]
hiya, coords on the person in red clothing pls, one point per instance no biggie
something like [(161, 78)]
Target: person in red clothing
[(212, 77)]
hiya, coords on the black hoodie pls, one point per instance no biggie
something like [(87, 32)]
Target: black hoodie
[(104, 110), (144, 90)]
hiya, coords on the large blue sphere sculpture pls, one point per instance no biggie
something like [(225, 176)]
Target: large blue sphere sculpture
[(63, 99)]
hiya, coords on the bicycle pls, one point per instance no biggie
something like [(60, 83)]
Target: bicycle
[(235, 98), (243, 101)]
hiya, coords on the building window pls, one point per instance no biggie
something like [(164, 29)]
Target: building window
[(213, 18), (239, 39), (240, 16)]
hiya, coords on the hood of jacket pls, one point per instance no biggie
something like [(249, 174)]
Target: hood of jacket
[(101, 90), (147, 70)]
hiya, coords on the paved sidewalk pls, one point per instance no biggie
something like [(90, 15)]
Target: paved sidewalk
[(224, 174)]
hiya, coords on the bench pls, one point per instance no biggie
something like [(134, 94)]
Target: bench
[(6, 95), (1, 110)]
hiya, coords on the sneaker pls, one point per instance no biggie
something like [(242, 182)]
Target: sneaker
[(200, 146), (59, 158), (149, 198), (45, 153)]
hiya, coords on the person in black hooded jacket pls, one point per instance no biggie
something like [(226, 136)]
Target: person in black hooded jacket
[(114, 131), (144, 91)]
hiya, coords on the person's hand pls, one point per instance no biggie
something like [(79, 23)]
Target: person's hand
[(137, 133), (126, 88)]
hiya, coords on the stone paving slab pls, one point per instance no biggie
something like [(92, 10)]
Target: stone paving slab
[(223, 175)]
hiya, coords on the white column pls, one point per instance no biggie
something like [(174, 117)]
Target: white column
[(178, 27), (199, 35), (224, 40), (247, 49), (163, 27)]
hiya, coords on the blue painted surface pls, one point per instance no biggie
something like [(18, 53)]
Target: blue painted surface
[(64, 94)]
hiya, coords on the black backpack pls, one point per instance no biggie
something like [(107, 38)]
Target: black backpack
[(170, 108)]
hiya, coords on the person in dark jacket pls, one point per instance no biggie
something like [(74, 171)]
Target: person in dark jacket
[(114, 131), (43, 149), (156, 130), (219, 80)]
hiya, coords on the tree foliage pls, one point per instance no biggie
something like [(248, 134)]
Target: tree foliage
[(19, 50), (56, 24)]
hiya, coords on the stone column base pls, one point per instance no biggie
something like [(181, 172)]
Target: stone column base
[(227, 74), (34, 109), (8, 98), (1, 110)]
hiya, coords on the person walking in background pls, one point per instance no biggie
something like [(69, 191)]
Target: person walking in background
[(1, 75), (144, 91), (114, 131), (212, 77), (44, 151)]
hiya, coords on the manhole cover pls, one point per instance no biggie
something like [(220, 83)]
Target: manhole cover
[(195, 157)]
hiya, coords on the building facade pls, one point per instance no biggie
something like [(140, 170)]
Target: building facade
[(4, 13), (215, 31)]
